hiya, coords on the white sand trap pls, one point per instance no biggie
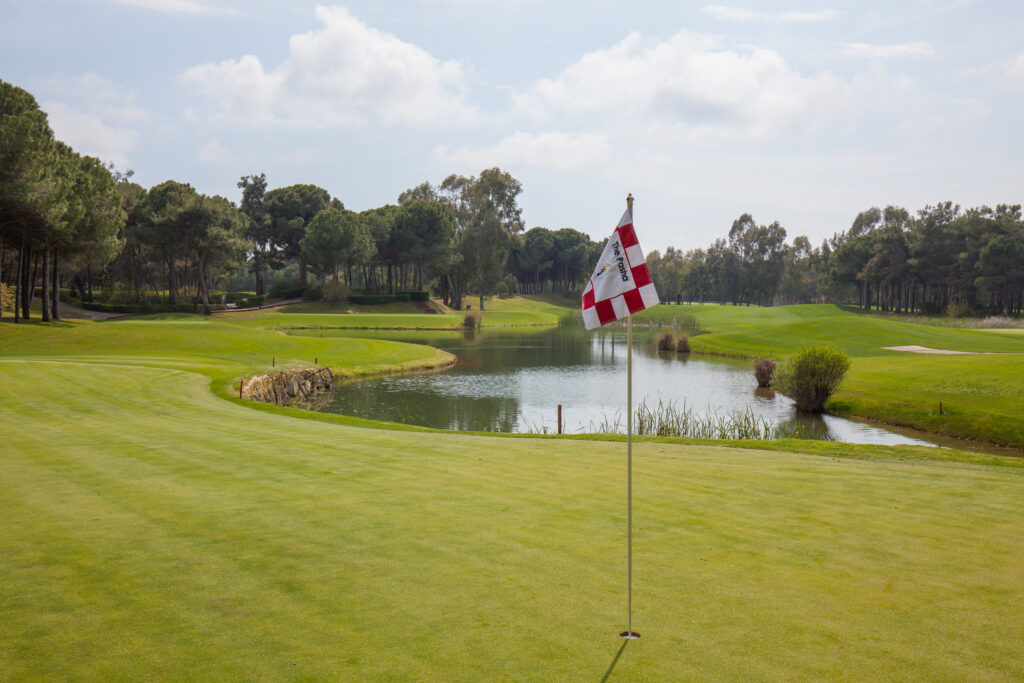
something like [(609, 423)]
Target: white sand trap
[(914, 348)]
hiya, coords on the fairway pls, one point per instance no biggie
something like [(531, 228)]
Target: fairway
[(154, 530), (981, 391)]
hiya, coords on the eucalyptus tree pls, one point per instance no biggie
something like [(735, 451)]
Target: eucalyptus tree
[(487, 215)]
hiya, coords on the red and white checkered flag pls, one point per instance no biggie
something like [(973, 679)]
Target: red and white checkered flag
[(621, 284)]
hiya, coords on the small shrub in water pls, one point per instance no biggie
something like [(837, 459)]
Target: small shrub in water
[(472, 321), (764, 371), (683, 345), (810, 376), (666, 342)]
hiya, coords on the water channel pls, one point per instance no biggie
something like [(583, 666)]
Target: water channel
[(511, 381)]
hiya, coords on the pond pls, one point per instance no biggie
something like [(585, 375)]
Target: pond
[(509, 381)]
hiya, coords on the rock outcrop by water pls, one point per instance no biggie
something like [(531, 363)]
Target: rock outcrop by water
[(289, 387)]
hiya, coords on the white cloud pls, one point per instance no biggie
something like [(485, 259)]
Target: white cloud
[(1016, 66), (94, 116), (729, 13), (342, 74), (212, 153), (914, 50), (951, 119), (179, 6), (553, 150), (688, 85)]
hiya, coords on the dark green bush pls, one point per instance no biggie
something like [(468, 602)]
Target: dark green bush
[(252, 301), (313, 293), (764, 371), (417, 296), (810, 376), (286, 289)]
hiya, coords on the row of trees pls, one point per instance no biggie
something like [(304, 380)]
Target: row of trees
[(463, 235), (58, 210), (942, 259), (70, 219)]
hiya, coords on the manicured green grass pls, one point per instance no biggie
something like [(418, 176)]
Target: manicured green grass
[(514, 311), (153, 530), (233, 349), (982, 395)]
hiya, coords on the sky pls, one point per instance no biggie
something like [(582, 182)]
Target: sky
[(800, 112)]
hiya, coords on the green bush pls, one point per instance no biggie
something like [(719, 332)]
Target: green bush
[(314, 293), (683, 345), (472, 320), (667, 342), (764, 371), (417, 296), (336, 292), (810, 376), (286, 289)]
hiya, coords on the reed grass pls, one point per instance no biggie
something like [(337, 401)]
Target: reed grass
[(668, 419)]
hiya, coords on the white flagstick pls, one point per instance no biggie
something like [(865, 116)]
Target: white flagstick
[(629, 633)]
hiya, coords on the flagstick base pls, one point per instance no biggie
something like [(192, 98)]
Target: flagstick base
[(630, 635)]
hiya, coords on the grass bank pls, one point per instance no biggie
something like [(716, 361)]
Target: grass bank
[(152, 530), (220, 346), (499, 312), (981, 395)]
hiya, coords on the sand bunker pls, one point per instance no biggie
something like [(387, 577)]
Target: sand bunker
[(924, 349)]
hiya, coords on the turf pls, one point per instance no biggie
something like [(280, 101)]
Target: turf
[(499, 312), (154, 530), (221, 345), (982, 395)]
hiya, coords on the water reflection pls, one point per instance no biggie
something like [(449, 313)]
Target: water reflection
[(514, 381)]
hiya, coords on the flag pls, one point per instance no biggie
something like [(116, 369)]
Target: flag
[(621, 284)]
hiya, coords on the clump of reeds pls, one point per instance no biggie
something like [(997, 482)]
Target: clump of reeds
[(666, 419), (764, 371), (472, 320), (683, 344), (667, 342)]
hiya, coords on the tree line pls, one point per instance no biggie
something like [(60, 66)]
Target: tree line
[(71, 222), (940, 260)]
